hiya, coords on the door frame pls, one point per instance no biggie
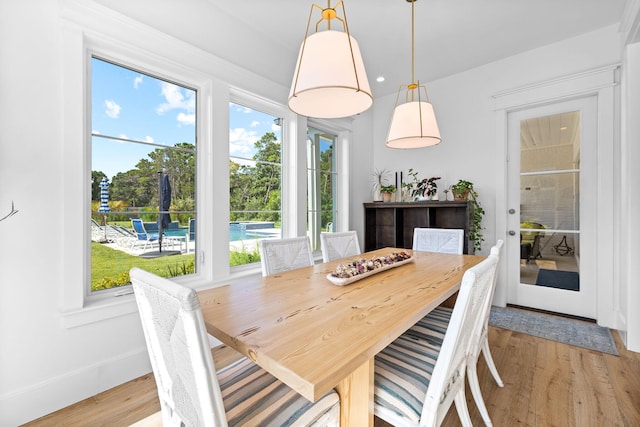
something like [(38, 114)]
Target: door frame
[(602, 83)]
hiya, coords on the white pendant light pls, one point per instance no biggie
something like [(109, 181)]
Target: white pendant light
[(330, 80), (413, 124)]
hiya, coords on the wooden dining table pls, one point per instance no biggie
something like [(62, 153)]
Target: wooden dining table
[(316, 336)]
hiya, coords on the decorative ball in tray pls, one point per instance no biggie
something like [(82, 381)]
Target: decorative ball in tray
[(345, 274)]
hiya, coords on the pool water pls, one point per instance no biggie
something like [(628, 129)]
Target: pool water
[(249, 230)]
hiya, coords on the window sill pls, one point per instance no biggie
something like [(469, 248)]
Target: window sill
[(113, 305), (97, 311)]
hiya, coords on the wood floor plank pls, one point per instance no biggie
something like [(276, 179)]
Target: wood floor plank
[(624, 375), (546, 384), (553, 406), (593, 394)]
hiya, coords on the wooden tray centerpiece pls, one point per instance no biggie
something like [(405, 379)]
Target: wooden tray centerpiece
[(359, 269)]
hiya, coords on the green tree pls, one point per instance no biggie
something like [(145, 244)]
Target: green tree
[(257, 187)]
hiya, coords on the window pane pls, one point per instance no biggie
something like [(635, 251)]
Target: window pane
[(549, 143), (143, 137), (255, 172), (321, 190), (551, 200), (549, 196)]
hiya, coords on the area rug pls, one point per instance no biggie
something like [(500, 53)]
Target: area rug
[(564, 330), (560, 279)]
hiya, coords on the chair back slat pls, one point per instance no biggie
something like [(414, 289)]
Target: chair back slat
[(444, 240), (277, 255), (339, 245), (179, 351), (449, 372)]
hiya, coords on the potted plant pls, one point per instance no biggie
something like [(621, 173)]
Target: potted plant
[(387, 191), (427, 188), (463, 190), (379, 179)]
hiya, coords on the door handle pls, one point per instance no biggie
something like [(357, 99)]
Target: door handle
[(512, 233)]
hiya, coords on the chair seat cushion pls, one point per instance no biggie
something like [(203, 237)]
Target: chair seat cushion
[(252, 396), (433, 326), (402, 375), (403, 369)]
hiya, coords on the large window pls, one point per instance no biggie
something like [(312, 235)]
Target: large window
[(322, 178), (255, 181), (143, 173)]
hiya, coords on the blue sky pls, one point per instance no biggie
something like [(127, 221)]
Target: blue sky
[(131, 105)]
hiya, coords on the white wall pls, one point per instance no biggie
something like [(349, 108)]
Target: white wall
[(465, 107), (45, 366)]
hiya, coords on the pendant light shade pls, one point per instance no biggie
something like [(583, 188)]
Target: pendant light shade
[(330, 80), (413, 123)]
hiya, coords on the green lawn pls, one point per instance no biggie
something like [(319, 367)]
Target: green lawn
[(110, 267)]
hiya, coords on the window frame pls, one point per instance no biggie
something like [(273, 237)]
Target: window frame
[(79, 304), (290, 123), (125, 289), (88, 30), (343, 133)]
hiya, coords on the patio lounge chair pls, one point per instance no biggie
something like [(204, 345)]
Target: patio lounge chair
[(142, 234)]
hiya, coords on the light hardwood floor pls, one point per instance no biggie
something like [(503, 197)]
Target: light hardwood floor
[(546, 384)]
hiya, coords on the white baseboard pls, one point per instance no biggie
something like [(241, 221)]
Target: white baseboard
[(35, 401)]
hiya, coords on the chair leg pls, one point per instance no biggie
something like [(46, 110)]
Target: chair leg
[(486, 352), (474, 385), (462, 409)]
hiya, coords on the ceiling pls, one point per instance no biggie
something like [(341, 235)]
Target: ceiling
[(451, 35)]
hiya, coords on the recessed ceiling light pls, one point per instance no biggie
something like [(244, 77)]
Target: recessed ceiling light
[(563, 128), (380, 79)]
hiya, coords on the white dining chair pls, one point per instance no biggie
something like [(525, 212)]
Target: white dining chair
[(191, 392), (434, 325), (339, 245), (444, 240), (481, 345), (277, 255), (417, 379)]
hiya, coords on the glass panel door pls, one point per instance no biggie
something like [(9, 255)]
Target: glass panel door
[(551, 160)]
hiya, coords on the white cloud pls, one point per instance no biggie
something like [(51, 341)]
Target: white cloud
[(148, 139), (241, 142), (275, 128), (112, 109), (137, 81), (255, 123), (97, 132), (123, 135), (178, 99), (186, 119)]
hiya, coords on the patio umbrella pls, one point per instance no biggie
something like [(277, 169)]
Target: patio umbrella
[(165, 204), (104, 203)]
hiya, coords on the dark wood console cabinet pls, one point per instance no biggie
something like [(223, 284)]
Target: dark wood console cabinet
[(391, 224)]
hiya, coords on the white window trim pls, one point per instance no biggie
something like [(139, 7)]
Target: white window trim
[(85, 26), (78, 305), (342, 130)]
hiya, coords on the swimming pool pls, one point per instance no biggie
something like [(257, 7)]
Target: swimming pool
[(250, 230)]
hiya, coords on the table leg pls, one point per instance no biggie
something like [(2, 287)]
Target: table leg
[(356, 397)]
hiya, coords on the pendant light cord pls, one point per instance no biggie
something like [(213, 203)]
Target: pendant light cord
[(413, 44)]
